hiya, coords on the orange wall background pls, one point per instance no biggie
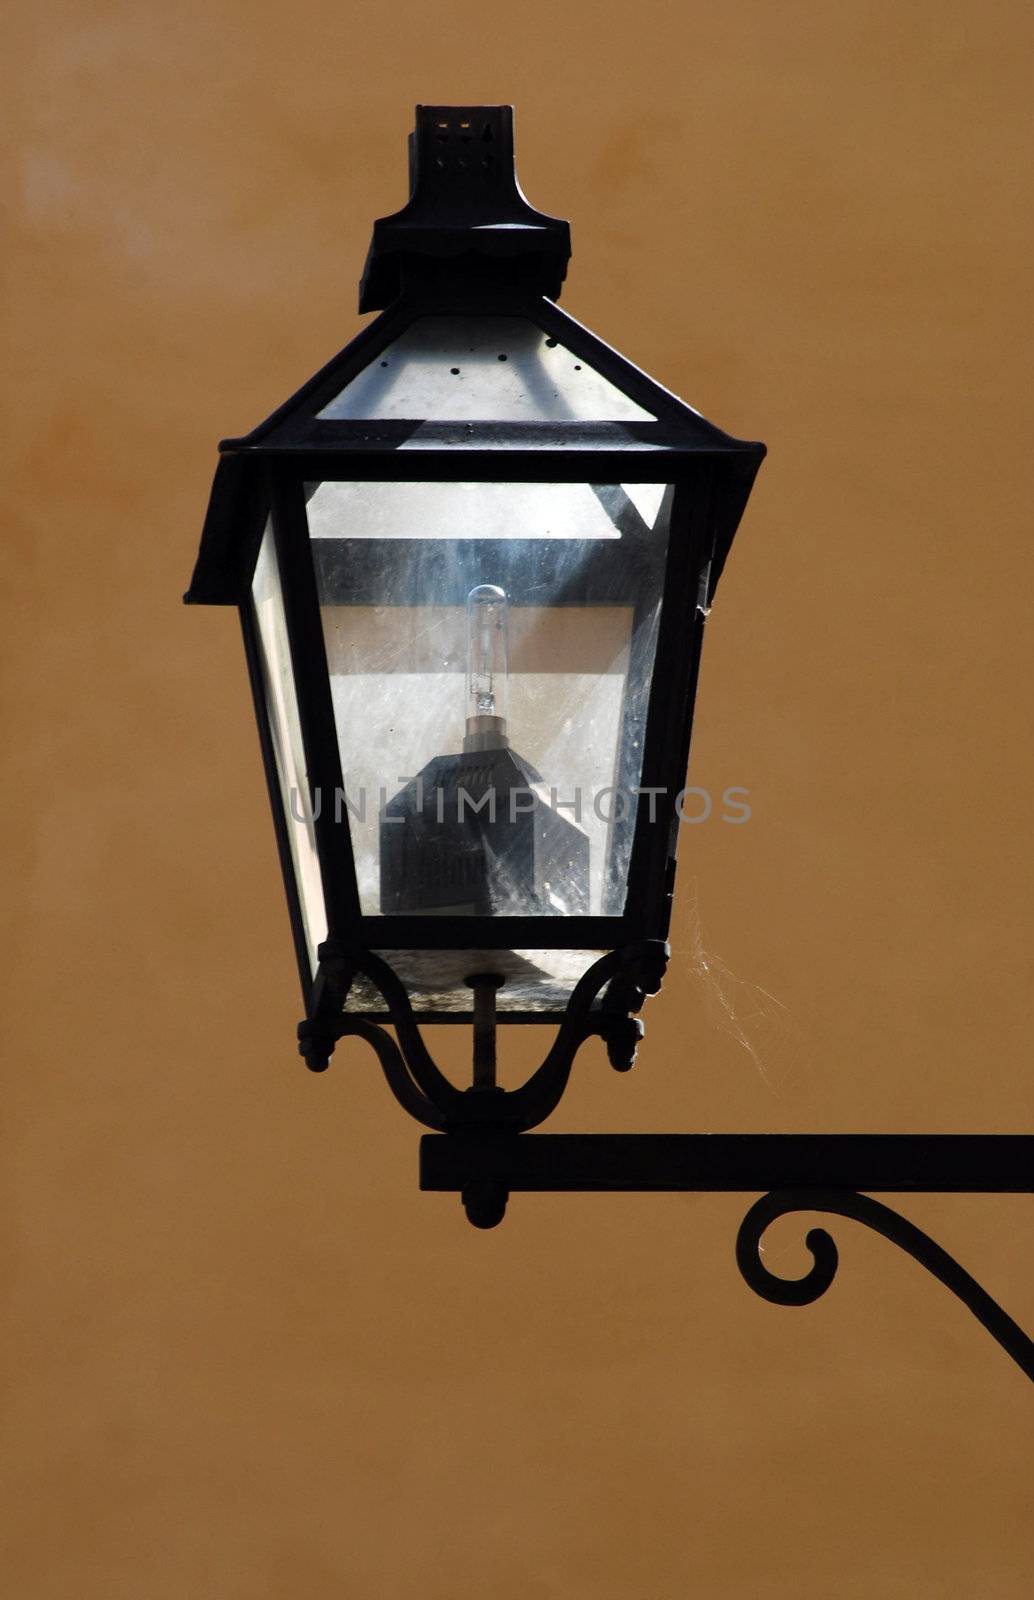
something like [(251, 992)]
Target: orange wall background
[(244, 1357)]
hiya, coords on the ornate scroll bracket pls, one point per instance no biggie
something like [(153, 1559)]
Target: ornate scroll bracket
[(862, 1208), (624, 977), (800, 1172)]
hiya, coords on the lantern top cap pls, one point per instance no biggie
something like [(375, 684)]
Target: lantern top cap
[(466, 217)]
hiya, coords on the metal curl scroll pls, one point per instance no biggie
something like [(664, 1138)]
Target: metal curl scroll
[(419, 1085), (862, 1208), (396, 1073)]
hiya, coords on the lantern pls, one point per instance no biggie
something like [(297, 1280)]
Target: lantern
[(473, 559)]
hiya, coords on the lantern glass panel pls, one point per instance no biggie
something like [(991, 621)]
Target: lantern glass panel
[(490, 648), (286, 739), (464, 369)]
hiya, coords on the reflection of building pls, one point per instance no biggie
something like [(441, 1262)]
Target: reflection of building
[(476, 834)]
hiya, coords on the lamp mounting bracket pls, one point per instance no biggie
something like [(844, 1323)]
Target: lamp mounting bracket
[(466, 219), (800, 1172), (601, 1006)]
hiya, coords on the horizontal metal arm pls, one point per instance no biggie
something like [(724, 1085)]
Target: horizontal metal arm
[(946, 1163)]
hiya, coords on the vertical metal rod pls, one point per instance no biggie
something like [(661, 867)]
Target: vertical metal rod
[(484, 985)]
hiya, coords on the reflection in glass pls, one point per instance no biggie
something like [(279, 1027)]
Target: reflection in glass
[(490, 649), (285, 735)]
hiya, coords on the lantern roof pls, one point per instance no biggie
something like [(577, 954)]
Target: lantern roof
[(439, 370), (472, 370)]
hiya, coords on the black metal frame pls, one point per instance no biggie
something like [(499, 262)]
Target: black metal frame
[(267, 472)]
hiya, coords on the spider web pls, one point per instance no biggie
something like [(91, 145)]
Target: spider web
[(756, 1020)]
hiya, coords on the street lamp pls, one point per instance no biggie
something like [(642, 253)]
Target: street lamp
[(473, 558)]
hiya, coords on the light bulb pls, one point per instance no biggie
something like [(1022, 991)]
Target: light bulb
[(488, 670)]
